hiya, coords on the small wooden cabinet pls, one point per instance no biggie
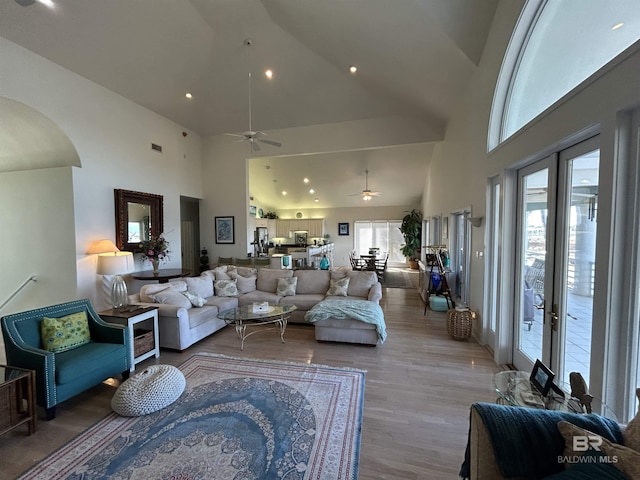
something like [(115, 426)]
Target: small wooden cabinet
[(283, 228), (17, 398)]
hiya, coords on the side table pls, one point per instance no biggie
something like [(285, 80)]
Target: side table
[(17, 398), (144, 344)]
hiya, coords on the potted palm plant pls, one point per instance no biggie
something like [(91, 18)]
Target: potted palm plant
[(411, 229)]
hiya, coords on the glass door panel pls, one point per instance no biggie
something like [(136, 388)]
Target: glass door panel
[(575, 272), (533, 213)]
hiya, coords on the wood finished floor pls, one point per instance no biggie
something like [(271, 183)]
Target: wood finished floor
[(419, 386)]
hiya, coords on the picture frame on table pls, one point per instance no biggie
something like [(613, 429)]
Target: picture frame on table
[(542, 378), (343, 229), (225, 230)]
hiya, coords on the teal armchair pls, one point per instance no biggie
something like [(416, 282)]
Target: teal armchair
[(62, 375)]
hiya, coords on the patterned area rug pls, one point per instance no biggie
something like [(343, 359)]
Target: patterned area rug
[(237, 419)]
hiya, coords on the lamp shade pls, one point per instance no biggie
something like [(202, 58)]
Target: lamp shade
[(102, 246), (115, 263)]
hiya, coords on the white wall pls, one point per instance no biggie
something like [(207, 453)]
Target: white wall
[(37, 237), (113, 137)]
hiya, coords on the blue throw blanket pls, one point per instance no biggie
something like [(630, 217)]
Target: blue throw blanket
[(526, 441), (363, 310)]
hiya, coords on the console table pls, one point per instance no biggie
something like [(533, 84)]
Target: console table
[(144, 343), (17, 398), (163, 275)]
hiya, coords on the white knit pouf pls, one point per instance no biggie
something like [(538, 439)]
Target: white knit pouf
[(148, 391)]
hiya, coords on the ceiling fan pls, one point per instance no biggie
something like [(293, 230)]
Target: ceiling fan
[(253, 136), (366, 193)]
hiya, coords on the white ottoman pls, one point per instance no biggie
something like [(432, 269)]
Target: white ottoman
[(148, 391)]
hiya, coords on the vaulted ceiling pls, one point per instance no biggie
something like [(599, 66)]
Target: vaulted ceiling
[(414, 59)]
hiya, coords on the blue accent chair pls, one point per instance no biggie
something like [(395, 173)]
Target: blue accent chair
[(60, 376)]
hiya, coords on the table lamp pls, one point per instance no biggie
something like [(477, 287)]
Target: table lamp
[(116, 264)]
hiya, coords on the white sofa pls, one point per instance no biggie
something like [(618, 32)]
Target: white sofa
[(181, 324)]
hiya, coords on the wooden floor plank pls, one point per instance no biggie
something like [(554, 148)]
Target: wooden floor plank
[(418, 389)]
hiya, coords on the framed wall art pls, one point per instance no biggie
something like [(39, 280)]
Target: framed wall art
[(343, 229), (225, 230)]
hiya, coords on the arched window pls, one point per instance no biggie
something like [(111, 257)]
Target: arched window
[(555, 46)]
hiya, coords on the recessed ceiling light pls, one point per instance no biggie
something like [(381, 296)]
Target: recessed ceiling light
[(305, 180), (284, 192), (316, 199), (268, 73), (188, 95), (353, 69), (312, 191), (617, 26), (47, 3)]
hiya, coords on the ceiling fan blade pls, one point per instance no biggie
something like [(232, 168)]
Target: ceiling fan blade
[(235, 135), (270, 142), (375, 194), (254, 146)]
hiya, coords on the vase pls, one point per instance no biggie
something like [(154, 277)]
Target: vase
[(155, 263)]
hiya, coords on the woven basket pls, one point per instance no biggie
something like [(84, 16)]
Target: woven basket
[(460, 323), (142, 342)]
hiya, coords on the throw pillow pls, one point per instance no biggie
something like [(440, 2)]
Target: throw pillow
[(64, 333), (173, 297), (178, 285), (146, 291), (245, 284), (339, 288), (287, 286), (195, 299), (226, 288), (202, 286), (631, 433), (623, 458)]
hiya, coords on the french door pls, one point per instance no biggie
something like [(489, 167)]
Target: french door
[(555, 256)]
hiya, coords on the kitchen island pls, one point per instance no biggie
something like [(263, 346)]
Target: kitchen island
[(306, 256)]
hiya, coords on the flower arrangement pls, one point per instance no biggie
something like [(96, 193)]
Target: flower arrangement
[(155, 249)]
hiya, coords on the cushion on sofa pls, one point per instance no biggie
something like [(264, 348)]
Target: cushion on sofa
[(178, 284), (268, 279), (64, 333), (338, 287), (632, 432), (244, 284), (246, 271), (202, 286), (195, 299), (360, 283), (223, 303), (312, 281), (627, 460), (226, 288), (151, 289), (172, 297), (287, 286), (259, 296), (304, 302)]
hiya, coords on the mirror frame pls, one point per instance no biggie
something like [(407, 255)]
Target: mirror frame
[(122, 199)]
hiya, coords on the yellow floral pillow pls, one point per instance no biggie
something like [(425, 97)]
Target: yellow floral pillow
[(64, 333)]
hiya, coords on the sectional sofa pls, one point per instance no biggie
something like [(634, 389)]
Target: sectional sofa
[(189, 307)]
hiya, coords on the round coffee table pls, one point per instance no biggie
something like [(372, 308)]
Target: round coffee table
[(244, 316)]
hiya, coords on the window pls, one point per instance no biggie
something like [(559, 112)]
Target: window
[(546, 56), (382, 234)]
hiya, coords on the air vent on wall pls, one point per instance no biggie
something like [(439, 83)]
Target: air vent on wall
[(157, 148)]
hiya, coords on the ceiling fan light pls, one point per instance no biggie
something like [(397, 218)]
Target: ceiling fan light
[(366, 197)]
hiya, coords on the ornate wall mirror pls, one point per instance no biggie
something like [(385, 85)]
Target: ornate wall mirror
[(138, 216)]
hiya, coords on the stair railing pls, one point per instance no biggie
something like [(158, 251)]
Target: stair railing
[(32, 278)]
